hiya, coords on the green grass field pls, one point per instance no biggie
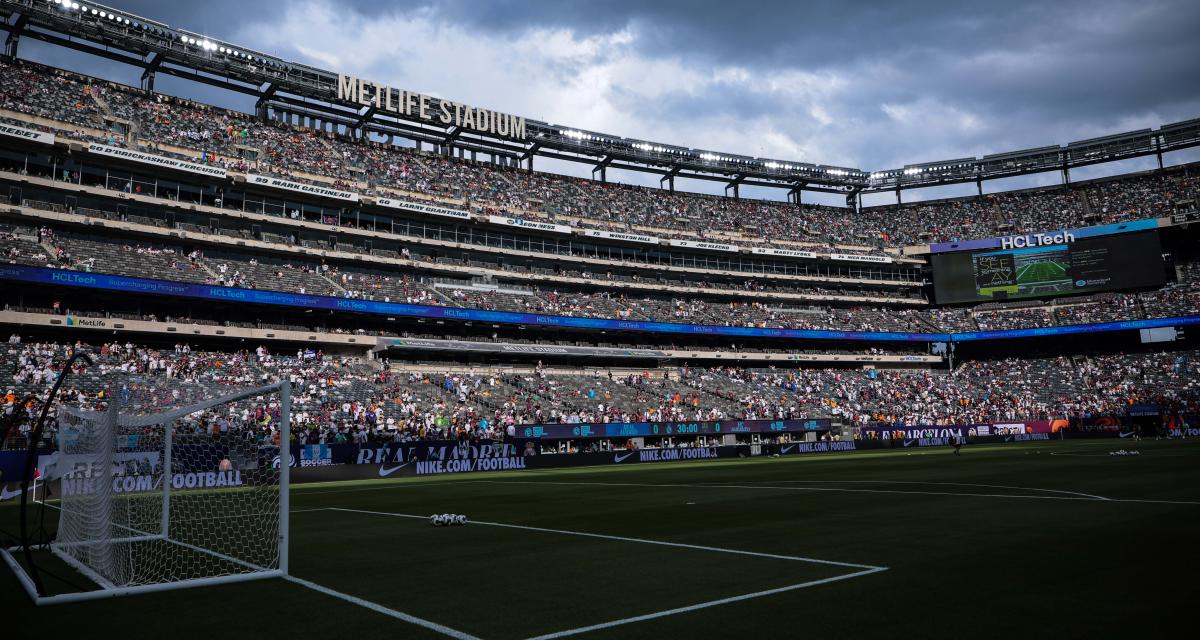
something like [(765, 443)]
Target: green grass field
[(1041, 271), (1053, 539)]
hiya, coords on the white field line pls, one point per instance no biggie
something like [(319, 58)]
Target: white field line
[(705, 605), (864, 570), (602, 536), (378, 608), (948, 484), (398, 485), (842, 490)]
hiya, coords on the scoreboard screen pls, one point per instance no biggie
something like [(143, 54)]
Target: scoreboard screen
[(1089, 265)]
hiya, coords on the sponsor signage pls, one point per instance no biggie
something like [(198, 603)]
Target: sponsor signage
[(916, 432), (419, 207), (91, 323), (12, 131), (438, 467), (665, 455), (852, 257), (161, 162), (44, 275), (711, 246), (661, 429), (72, 485), (300, 187), (817, 447), (430, 344), (785, 253), (1027, 437), (1045, 239), (1036, 240), (419, 106), (529, 224), (610, 235)]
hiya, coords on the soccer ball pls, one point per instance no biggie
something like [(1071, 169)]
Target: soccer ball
[(436, 520), (460, 520)]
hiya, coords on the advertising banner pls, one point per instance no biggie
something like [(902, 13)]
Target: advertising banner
[(300, 187), (658, 429), (529, 224), (784, 253), (161, 162), (712, 246), (917, 431), (420, 207), (854, 257), (13, 131), (609, 235)]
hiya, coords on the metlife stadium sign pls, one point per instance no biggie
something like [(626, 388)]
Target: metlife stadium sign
[(390, 100)]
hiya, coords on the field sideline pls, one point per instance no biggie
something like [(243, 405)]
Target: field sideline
[(1045, 539)]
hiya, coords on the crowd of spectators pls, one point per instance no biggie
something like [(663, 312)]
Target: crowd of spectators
[(346, 399)]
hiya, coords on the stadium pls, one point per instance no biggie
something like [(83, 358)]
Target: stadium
[(348, 362)]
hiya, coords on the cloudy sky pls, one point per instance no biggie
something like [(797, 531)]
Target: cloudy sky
[(867, 85)]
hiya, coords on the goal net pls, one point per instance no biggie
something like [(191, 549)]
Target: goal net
[(172, 485)]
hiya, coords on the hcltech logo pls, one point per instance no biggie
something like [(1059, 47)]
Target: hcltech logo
[(1036, 240)]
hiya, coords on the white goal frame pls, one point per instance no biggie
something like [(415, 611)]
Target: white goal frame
[(109, 590)]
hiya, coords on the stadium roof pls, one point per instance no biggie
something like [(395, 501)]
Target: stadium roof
[(290, 87)]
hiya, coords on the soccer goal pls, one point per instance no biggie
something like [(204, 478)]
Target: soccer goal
[(168, 487)]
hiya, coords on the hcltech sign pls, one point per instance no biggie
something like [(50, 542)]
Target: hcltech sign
[(1036, 240)]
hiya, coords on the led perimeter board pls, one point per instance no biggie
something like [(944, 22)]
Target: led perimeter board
[(1088, 265)]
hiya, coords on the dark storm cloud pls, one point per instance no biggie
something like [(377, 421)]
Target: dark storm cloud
[(927, 80)]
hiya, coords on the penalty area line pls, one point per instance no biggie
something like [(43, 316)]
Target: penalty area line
[(864, 570), (762, 487), (584, 534), (378, 608), (705, 605)]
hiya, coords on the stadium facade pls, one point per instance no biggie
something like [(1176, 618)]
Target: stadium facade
[(460, 294)]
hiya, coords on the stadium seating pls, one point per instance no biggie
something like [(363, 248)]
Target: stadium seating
[(237, 141)]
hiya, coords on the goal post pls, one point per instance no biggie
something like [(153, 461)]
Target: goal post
[(168, 487)]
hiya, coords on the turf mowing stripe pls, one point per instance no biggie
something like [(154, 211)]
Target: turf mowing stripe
[(378, 608), (626, 539), (917, 493), (704, 605)]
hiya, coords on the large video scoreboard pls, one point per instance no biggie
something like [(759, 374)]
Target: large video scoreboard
[(1089, 265)]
